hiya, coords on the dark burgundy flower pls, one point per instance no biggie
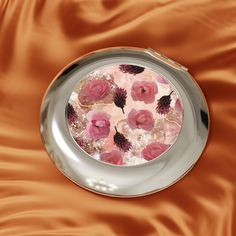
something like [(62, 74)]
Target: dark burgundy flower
[(163, 104), (120, 96), (131, 69), (71, 114), (121, 141), (79, 141)]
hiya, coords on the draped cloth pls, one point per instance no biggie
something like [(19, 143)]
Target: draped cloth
[(37, 39)]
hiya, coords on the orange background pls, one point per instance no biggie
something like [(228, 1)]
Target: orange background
[(37, 39)]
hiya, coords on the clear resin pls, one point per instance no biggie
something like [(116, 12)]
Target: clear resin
[(124, 114)]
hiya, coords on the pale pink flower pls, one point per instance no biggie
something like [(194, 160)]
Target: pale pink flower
[(113, 157), (144, 91), (178, 106), (98, 125), (141, 119), (94, 90), (161, 79), (154, 150)]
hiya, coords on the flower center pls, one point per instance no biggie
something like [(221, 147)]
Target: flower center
[(99, 123), (143, 90)]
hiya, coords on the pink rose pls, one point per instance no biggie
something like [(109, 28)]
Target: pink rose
[(144, 91), (98, 124), (95, 90), (113, 157), (141, 119), (154, 150)]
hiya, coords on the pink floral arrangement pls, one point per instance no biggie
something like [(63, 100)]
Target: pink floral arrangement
[(150, 115)]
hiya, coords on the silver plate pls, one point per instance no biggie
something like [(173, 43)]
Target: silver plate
[(128, 181)]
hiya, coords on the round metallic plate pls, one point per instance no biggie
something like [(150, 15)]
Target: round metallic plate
[(124, 122)]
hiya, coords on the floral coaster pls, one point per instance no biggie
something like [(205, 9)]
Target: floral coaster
[(124, 114)]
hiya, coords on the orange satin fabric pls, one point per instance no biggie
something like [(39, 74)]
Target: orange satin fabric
[(37, 39)]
